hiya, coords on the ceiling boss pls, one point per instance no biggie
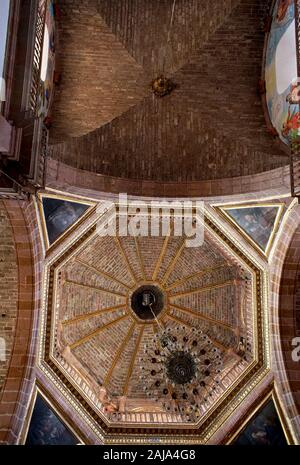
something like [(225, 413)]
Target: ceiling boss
[(162, 86)]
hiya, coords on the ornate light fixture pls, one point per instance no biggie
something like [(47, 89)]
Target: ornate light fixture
[(162, 86), (181, 368)]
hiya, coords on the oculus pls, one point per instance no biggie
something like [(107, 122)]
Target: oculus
[(147, 302)]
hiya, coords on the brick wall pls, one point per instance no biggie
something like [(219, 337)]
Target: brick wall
[(143, 27), (98, 278), (212, 126), (77, 181), (100, 79), (19, 282), (283, 273), (288, 301), (8, 291)]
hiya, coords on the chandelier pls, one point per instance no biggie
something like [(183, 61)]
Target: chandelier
[(181, 368)]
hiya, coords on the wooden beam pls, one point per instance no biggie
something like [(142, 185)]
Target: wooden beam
[(138, 251), (118, 354), (92, 314), (118, 242), (160, 258), (96, 289), (97, 331), (193, 275), (185, 323), (203, 317), (173, 263), (132, 361), (102, 273), (202, 289)]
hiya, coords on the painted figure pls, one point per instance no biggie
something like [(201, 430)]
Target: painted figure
[(257, 222), (264, 429), (46, 428), (292, 123), (293, 96), (282, 9)]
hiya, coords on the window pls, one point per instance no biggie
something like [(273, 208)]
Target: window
[(45, 55)]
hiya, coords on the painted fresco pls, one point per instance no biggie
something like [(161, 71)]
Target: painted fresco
[(60, 215), (257, 222), (46, 428), (263, 430), (282, 83), (48, 63)]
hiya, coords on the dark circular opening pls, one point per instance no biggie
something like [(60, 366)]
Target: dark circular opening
[(147, 302), (181, 367)]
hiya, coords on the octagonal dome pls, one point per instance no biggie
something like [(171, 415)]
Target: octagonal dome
[(94, 339)]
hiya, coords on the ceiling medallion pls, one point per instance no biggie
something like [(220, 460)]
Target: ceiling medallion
[(162, 86), (181, 369)]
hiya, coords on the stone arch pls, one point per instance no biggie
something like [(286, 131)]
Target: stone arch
[(20, 351), (284, 269)]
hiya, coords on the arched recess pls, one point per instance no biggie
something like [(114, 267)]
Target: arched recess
[(284, 269), (68, 179)]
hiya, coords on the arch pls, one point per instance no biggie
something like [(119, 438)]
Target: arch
[(20, 362), (283, 274), (63, 177)]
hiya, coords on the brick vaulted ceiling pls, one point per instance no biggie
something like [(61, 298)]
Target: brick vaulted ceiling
[(92, 341), (99, 326), (105, 118)]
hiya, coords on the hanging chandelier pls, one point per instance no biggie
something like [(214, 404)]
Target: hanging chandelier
[(162, 86), (181, 368)]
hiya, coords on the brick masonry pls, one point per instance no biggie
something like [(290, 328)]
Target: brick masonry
[(63, 177), (289, 307), (144, 28), (17, 295), (8, 291), (100, 79), (212, 126), (98, 277), (286, 385), (283, 286), (253, 149)]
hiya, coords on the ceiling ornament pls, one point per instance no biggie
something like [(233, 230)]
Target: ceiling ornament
[(162, 86)]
